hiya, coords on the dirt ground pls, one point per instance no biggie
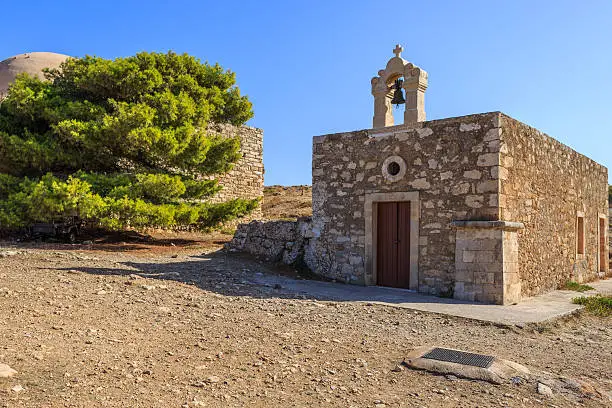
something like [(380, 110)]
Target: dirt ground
[(176, 322)]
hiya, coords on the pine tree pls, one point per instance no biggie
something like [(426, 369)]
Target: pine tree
[(123, 142)]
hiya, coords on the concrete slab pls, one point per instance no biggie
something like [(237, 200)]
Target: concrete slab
[(531, 310), (498, 372)]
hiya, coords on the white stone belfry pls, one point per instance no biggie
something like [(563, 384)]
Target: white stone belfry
[(415, 84)]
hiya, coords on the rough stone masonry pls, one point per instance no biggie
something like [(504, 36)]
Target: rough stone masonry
[(497, 210), (497, 206), (246, 178)]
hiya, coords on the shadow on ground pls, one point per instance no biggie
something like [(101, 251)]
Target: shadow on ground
[(125, 241), (235, 274), (232, 274), (227, 274)]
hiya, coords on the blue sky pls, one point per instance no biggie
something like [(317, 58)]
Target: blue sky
[(307, 65)]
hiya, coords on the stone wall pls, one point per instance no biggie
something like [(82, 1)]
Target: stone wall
[(544, 185), (453, 166), (274, 241), (246, 179), (486, 261)]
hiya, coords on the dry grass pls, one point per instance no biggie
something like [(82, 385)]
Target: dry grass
[(287, 202)]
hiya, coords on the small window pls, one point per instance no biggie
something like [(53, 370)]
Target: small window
[(393, 168), (580, 235), (602, 244)]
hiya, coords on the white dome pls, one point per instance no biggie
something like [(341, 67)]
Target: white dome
[(32, 63)]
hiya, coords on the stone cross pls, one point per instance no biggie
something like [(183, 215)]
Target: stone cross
[(398, 50)]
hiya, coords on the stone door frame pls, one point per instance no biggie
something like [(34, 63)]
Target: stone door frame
[(577, 255), (602, 269), (370, 209)]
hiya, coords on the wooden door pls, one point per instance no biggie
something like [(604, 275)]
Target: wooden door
[(393, 244)]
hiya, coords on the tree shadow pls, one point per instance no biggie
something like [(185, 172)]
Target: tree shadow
[(228, 274), (237, 274), (125, 241)]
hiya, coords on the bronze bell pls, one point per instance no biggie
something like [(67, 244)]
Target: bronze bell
[(398, 96)]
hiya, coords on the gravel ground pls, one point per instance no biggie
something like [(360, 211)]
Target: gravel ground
[(139, 325)]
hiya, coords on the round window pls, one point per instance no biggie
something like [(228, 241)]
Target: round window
[(393, 168)]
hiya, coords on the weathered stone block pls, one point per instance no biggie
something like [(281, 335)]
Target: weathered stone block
[(469, 127), (485, 278), (446, 175), (499, 172), (489, 186), (469, 256), (420, 183), (245, 179), (474, 201), (492, 134), (460, 189), (485, 257), (512, 293), (488, 160), (464, 275), (509, 278), (472, 174)]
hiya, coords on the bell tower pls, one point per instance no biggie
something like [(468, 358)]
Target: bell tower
[(387, 90)]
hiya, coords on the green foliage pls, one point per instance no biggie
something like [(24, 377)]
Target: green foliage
[(599, 305), (571, 285), (8, 185), (51, 198), (125, 212), (199, 189), (215, 214), (47, 199), (148, 112), (106, 184), (157, 188), (121, 142)]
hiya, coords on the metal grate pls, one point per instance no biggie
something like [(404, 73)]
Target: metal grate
[(460, 357)]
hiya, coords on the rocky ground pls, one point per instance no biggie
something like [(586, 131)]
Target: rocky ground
[(177, 323)]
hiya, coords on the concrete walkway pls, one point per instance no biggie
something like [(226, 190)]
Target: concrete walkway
[(532, 310)]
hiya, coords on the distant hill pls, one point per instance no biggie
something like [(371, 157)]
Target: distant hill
[(287, 202)]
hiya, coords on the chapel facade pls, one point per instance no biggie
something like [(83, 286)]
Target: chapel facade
[(481, 207)]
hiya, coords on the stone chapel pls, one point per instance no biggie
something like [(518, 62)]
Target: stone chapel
[(481, 207)]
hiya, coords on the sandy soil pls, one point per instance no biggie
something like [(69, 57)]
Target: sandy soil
[(177, 323)]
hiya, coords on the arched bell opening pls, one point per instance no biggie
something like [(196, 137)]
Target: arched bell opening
[(399, 92), (395, 85)]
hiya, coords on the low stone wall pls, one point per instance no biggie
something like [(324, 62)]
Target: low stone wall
[(274, 241)]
